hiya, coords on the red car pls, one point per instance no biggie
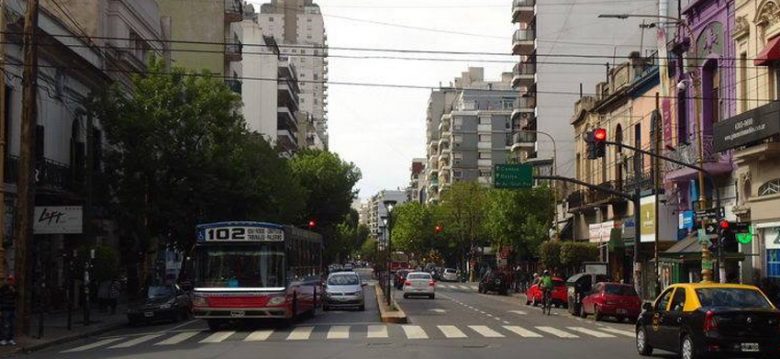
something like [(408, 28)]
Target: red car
[(612, 299), (534, 294)]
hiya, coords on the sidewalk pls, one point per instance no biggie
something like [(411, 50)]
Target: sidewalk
[(55, 329)]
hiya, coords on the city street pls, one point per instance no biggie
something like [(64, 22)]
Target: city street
[(459, 323)]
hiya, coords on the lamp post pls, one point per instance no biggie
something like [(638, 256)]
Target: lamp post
[(554, 173), (695, 80), (389, 204)]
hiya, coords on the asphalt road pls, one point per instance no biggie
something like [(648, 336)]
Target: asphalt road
[(459, 323)]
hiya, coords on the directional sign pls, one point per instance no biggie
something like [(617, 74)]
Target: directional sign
[(711, 213), (513, 176), (703, 238), (711, 228)]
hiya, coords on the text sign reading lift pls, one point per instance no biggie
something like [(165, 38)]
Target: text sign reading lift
[(513, 176)]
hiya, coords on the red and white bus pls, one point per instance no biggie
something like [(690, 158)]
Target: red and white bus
[(255, 270)]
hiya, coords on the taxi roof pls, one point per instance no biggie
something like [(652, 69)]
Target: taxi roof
[(700, 285)]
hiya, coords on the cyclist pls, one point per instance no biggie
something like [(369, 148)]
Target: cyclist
[(546, 284)]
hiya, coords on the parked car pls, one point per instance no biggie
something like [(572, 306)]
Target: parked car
[(344, 289), (705, 319), (494, 281), (534, 294), (449, 275), (419, 283), (348, 267), (579, 286), (400, 277), (162, 303), (612, 299)]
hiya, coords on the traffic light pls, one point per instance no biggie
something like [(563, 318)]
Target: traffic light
[(312, 224), (590, 143), (599, 139), (438, 229), (727, 239)]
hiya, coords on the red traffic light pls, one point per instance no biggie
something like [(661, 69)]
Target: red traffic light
[(724, 224), (600, 134), (438, 229), (312, 224)]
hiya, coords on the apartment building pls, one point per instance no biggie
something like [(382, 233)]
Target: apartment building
[(415, 191), (299, 28), (207, 37), (377, 211), (472, 132)]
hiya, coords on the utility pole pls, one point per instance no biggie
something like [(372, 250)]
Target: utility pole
[(25, 185), (2, 140), (656, 124)]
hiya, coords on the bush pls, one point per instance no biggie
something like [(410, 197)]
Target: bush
[(550, 254), (574, 253)]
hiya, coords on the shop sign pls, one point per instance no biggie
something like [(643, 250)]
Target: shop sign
[(647, 217), (599, 232), (686, 220), (772, 237), (748, 127), (58, 220)]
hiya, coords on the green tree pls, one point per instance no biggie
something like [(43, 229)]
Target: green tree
[(413, 228), (550, 254), (573, 254), (329, 189), (519, 219), (462, 211)]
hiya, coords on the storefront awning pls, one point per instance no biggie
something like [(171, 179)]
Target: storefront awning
[(771, 52), (689, 249)]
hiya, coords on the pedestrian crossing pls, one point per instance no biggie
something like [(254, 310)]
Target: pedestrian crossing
[(460, 287), (342, 332)]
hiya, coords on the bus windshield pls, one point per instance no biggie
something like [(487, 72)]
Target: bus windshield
[(232, 266)]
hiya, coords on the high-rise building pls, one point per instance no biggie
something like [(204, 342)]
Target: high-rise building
[(377, 211), (415, 191), (468, 130), (299, 28)]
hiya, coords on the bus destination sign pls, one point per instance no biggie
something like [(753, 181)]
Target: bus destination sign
[(238, 233)]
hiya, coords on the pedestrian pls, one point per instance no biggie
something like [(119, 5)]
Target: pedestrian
[(8, 308), (115, 289)]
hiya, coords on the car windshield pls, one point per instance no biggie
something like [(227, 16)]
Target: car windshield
[(257, 266), (418, 276), (343, 280), (449, 270), (732, 298), (159, 292), (624, 290)]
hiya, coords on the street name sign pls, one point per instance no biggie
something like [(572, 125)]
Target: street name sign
[(513, 176), (711, 213)]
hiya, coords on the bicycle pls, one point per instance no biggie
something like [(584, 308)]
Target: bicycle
[(546, 302)]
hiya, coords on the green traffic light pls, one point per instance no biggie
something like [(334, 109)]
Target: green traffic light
[(745, 238)]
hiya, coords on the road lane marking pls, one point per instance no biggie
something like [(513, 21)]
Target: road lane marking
[(377, 331), (519, 312), (627, 333), (258, 335), (438, 310), (338, 332), (505, 322), (178, 338), (485, 331), (135, 341), (489, 315), (557, 332), (451, 331), (473, 287), (218, 336), (300, 333), (414, 332), (463, 287), (591, 332), (93, 345), (525, 333)]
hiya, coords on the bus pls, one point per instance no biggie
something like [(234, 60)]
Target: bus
[(255, 270)]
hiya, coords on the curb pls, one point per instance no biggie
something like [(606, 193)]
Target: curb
[(389, 316), (65, 339)]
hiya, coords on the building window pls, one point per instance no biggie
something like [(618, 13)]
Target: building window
[(682, 118), (271, 19), (40, 140), (769, 188), (774, 81), (485, 173), (772, 260), (484, 138), (485, 155), (484, 121), (743, 81)]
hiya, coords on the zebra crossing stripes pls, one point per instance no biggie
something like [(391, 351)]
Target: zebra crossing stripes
[(338, 332), (300, 333), (451, 331), (93, 345), (519, 312), (594, 333), (178, 338), (136, 341), (627, 333), (258, 336), (557, 332), (376, 331), (525, 333), (414, 332), (485, 331), (218, 337)]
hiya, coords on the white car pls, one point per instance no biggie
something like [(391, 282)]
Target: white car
[(419, 283), (450, 275)]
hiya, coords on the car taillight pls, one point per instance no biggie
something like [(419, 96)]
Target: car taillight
[(199, 301), (710, 323), (431, 283), (407, 283)]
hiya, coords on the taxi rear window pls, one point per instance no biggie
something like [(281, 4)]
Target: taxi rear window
[(732, 298)]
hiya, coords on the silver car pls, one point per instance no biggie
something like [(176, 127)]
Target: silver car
[(344, 289)]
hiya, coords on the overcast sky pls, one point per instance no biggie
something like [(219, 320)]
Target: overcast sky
[(382, 129)]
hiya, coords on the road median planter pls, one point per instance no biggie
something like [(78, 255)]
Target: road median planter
[(392, 314)]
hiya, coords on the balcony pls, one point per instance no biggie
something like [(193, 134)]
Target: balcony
[(525, 106), (234, 85), (233, 50), (523, 10), (524, 74), (286, 119), (287, 139), (49, 175), (442, 141), (690, 154), (522, 140), (576, 199), (645, 182), (596, 196), (524, 42), (287, 94), (233, 11)]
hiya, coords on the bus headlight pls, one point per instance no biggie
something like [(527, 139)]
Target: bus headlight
[(199, 301), (276, 300)]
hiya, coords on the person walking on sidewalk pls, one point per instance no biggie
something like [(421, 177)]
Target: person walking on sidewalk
[(8, 308)]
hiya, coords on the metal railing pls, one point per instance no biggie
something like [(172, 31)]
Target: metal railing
[(234, 85), (521, 3), (233, 7), (690, 154), (524, 35), (645, 181), (524, 68), (524, 137), (233, 47), (525, 102)]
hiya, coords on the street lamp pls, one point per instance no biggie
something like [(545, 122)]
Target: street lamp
[(389, 204), (554, 173), (706, 259)]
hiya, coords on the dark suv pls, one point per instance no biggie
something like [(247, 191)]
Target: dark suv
[(494, 281)]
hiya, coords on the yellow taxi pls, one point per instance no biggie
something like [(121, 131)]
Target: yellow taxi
[(710, 319)]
